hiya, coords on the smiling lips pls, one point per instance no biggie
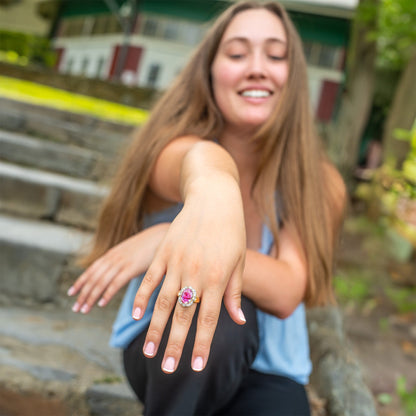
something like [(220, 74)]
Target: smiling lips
[(256, 93)]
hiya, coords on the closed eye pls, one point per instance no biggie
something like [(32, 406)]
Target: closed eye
[(277, 58), (236, 56)]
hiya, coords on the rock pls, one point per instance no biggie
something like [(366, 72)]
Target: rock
[(113, 399), (336, 375)]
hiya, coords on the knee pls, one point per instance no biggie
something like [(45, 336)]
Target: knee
[(234, 347)]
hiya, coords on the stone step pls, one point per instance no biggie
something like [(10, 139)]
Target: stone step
[(54, 362), (61, 158), (39, 194), (37, 261), (65, 127)]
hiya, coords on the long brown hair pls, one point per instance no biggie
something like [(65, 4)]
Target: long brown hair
[(291, 157)]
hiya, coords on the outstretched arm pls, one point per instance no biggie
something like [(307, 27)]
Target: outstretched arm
[(204, 247)]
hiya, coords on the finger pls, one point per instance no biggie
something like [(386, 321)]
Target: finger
[(232, 296), (181, 322), (164, 305), (98, 286), (149, 283), (87, 282), (206, 325), (115, 285)]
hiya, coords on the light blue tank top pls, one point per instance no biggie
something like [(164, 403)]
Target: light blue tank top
[(284, 346)]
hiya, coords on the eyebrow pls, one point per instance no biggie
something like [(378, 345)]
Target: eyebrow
[(246, 40)]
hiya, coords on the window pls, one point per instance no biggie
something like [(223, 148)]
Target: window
[(100, 66), (325, 56), (149, 27), (88, 25), (170, 30), (68, 65), (106, 24), (84, 65), (153, 75)]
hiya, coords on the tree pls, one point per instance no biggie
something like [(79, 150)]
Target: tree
[(346, 132), (396, 35)]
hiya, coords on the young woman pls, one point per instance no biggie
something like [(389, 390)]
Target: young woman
[(225, 191)]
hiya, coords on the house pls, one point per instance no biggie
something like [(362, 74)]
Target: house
[(147, 42)]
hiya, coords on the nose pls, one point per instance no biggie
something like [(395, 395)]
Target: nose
[(256, 66)]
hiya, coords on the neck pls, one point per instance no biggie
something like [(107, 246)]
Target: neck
[(243, 150)]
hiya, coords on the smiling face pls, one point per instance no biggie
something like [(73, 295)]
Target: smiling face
[(250, 68)]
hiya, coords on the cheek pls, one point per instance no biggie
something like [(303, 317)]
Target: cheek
[(223, 75), (282, 75)]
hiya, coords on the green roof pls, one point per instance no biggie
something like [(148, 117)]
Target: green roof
[(324, 29), (199, 10)]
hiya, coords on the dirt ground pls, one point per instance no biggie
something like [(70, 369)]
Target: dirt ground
[(376, 286)]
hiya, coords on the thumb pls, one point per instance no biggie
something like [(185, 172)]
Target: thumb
[(232, 296)]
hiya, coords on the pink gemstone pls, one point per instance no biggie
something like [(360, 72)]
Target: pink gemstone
[(186, 295)]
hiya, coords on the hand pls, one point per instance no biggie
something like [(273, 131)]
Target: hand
[(204, 248), (108, 274)]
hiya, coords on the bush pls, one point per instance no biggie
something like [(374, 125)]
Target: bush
[(26, 48)]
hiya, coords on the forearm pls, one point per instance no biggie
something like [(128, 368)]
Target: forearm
[(277, 285), (185, 163)]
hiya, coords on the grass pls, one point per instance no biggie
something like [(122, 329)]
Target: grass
[(30, 92)]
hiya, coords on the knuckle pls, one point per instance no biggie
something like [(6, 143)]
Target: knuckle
[(174, 348), (202, 348), (183, 317), (140, 300), (153, 334), (194, 266), (148, 279), (95, 293), (216, 275), (208, 320), (111, 289), (164, 303)]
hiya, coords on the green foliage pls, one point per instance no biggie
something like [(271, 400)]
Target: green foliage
[(404, 299), (352, 287), (384, 398), (391, 195), (395, 31), (396, 34), (25, 48), (407, 398)]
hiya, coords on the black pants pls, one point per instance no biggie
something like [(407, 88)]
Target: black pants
[(226, 386)]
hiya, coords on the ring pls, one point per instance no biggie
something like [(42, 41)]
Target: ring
[(187, 296)]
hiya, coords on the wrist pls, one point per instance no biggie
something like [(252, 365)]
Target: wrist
[(206, 166)]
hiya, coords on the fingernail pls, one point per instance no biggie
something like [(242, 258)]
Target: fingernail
[(169, 365), (149, 349), (241, 315), (198, 364), (71, 291), (137, 314), (85, 308), (102, 302), (75, 308)]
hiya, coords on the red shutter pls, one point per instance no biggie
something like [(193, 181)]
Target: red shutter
[(327, 100)]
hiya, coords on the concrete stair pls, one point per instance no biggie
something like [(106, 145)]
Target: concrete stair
[(35, 193), (84, 131), (54, 362), (56, 157)]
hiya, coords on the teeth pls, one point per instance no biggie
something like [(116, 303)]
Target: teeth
[(256, 93)]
